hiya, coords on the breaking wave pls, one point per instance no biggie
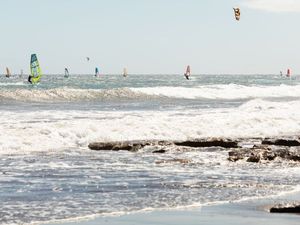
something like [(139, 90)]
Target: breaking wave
[(229, 92), (60, 129), (68, 94)]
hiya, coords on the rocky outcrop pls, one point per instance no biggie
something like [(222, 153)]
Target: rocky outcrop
[(266, 153), (204, 143), (252, 150), (136, 145), (117, 146), (293, 208), (281, 142)]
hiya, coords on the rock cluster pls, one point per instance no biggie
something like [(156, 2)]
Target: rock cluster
[(264, 153), (266, 149)]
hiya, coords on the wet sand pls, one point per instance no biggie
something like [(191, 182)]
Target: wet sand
[(241, 213)]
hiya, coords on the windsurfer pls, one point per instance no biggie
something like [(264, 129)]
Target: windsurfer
[(29, 79), (186, 76)]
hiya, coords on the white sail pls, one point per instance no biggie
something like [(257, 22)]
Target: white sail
[(125, 72), (8, 74), (66, 73)]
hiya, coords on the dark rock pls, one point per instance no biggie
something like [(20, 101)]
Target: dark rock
[(208, 143), (294, 158), (285, 209), (117, 146), (281, 142), (254, 158), (182, 161), (236, 155), (269, 155), (159, 151), (259, 153), (125, 145), (136, 145)]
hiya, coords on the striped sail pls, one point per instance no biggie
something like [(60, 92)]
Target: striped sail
[(237, 13)]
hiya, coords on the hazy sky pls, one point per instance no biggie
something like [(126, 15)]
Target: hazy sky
[(151, 36)]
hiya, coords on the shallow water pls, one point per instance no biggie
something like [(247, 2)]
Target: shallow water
[(58, 185)]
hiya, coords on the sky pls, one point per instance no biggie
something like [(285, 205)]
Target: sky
[(151, 36)]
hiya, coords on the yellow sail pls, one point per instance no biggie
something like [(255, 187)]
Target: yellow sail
[(35, 69)]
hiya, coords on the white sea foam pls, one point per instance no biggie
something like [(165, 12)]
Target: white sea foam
[(231, 91), (53, 130)]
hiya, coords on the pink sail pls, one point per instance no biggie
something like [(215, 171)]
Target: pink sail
[(288, 73), (188, 72)]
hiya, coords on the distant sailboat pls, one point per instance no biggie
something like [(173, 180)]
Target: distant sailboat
[(188, 72), (125, 72), (96, 72), (288, 73), (66, 73), (35, 70), (8, 74)]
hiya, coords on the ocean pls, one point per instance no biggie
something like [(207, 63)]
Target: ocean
[(47, 172)]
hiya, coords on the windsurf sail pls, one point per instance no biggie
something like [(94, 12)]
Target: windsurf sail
[(96, 72), (66, 73), (237, 13), (289, 73), (35, 69), (125, 72), (187, 73), (8, 74)]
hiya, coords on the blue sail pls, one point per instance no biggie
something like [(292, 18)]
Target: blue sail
[(96, 71)]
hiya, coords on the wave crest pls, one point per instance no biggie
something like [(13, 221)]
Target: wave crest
[(68, 94), (229, 92)]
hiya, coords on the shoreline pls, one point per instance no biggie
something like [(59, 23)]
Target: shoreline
[(246, 212)]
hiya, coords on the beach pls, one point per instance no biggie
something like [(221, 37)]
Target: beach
[(240, 213), (150, 112)]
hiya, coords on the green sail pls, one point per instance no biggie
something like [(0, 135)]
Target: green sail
[(35, 69)]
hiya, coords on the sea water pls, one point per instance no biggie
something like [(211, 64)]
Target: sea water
[(48, 173)]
